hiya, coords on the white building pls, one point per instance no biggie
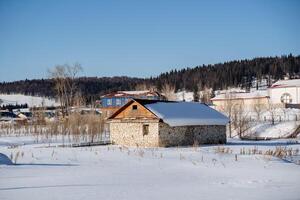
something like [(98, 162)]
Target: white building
[(248, 100), (280, 93), (285, 91)]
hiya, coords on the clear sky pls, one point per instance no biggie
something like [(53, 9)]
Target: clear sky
[(141, 38)]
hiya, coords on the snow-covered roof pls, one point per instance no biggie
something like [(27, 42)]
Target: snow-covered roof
[(135, 92), (286, 83), (132, 93), (242, 95), (186, 113)]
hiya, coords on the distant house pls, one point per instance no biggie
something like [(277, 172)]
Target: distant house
[(23, 113), (112, 101), (8, 116), (285, 91), (281, 93), (153, 123)]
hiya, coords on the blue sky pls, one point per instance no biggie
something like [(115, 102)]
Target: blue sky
[(141, 38)]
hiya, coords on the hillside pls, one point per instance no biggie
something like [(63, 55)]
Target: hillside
[(31, 101), (237, 73)]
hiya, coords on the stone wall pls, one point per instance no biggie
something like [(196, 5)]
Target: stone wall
[(130, 132), (188, 135)]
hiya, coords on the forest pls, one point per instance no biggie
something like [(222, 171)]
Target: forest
[(237, 73)]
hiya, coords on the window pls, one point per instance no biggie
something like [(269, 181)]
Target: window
[(145, 129), (118, 102), (286, 98), (109, 102), (134, 107)]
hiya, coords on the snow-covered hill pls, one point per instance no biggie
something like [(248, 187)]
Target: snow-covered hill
[(30, 100)]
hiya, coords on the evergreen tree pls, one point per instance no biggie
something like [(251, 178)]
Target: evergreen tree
[(196, 93)]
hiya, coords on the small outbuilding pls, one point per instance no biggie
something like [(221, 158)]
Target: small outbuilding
[(153, 123)]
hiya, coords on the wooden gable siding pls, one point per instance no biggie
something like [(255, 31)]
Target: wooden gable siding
[(129, 112)]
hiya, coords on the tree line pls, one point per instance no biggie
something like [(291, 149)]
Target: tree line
[(11, 107), (237, 73)]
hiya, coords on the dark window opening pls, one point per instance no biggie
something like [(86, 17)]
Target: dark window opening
[(134, 107), (145, 129)]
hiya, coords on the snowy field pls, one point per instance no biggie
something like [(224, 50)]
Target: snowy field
[(48, 171)]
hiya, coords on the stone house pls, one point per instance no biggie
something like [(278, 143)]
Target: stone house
[(153, 123)]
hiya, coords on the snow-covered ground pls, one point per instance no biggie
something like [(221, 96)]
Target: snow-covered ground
[(184, 95), (30, 100), (278, 130), (47, 171), (286, 121), (280, 114)]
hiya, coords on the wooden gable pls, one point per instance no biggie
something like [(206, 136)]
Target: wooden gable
[(133, 110)]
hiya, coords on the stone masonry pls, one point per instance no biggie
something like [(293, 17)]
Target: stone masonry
[(130, 133), (188, 135)]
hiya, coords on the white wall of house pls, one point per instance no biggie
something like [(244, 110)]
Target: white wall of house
[(276, 94)]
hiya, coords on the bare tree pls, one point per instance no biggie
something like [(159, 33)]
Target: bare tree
[(205, 95), (72, 72), (228, 108), (145, 86), (258, 107), (79, 99), (169, 92), (65, 86), (183, 95), (240, 118), (141, 86), (272, 110)]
